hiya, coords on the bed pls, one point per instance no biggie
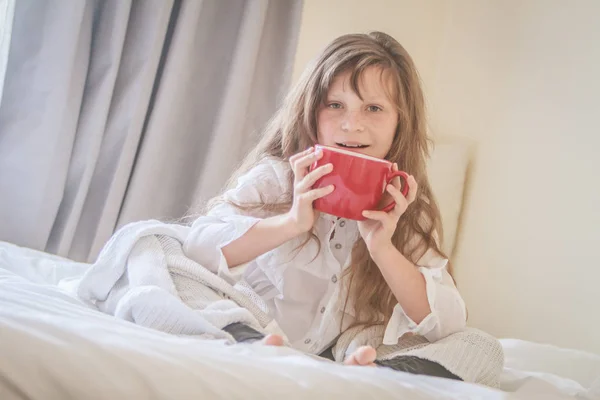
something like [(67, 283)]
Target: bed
[(53, 346)]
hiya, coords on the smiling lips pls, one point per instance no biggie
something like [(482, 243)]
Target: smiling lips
[(352, 145)]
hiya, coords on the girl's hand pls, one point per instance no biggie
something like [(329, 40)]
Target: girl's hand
[(302, 213), (379, 227)]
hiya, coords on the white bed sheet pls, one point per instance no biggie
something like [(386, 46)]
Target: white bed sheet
[(54, 346)]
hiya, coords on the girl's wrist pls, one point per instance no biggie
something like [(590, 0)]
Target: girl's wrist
[(383, 252), (291, 225)]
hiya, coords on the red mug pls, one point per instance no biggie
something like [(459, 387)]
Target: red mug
[(359, 180)]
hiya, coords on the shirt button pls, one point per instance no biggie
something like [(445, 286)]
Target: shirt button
[(322, 310), (342, 223), (334, 279), (307, 341), (338, 246)]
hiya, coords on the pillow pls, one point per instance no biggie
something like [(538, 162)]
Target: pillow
[(447, 170)]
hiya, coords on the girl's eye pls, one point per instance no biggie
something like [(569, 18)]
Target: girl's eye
[(374, 108), (334, 105)]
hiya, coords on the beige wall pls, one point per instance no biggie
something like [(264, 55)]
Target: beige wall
[(416, 24), (520, 79)]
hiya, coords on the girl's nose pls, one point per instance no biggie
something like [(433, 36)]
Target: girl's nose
[(352, 122)]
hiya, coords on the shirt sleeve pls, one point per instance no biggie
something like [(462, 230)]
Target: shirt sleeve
[(448, 312), (267, 182)]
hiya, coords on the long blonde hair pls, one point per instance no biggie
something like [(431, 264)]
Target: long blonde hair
[(294, 128)]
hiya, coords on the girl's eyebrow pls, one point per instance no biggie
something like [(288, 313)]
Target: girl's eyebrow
[(378, 98)]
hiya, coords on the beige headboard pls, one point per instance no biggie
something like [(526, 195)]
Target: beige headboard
[(447, 169)]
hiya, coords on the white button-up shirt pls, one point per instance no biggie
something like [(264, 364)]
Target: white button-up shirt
[(301, 285)]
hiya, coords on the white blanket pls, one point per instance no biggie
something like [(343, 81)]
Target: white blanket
[(143, 276)]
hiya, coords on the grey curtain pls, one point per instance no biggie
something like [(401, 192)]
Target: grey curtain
[(115, 111)]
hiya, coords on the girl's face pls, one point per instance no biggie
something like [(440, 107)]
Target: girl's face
[(365, 126)]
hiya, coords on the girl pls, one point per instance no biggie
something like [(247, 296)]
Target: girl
[(320, 274)]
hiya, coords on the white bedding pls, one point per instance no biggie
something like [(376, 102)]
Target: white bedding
[(54, 346)]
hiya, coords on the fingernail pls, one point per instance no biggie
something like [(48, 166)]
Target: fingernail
[(330, 166)]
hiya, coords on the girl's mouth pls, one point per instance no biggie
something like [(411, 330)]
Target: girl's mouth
[(352, 145)]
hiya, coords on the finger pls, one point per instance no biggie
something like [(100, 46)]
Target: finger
[(413, 189), (300, 173), (397, 181), (380, 216), (396, 194), (312, 177), (317, 193), (301, 154), (300, 165), (387, 220), (308, 159), (399, 199)]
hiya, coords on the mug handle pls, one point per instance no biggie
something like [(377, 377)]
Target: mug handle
[(405, 188)]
